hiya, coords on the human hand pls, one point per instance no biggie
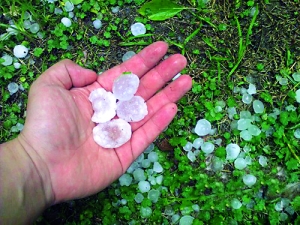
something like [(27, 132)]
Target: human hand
[(58, 127)]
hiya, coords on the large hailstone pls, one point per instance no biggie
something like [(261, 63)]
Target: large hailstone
[(112, 134), (20, 51), (104, 105), (132, 110), (125, 86)]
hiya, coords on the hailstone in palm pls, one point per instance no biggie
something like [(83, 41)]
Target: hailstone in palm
[(132, 110), (125, 86)]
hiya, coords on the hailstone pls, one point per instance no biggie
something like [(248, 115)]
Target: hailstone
[(112, 134), (125, 86), (104, 105), (132, 110)]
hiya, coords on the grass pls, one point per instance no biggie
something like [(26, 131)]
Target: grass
[(227, 46)]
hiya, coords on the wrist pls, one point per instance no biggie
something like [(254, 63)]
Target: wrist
[(24, 182)]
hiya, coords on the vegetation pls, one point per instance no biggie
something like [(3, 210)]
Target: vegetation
[(228, 45)]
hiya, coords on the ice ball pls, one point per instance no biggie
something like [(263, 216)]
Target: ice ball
[(20, 51), (69, 6), (258, 106), (157, 167), (144, 186), (247, 98), (125, 179), (112, 134), (7, 60), (296, 76), (17, 65), (249, 180), (207, 147), (139, 198), (188, 146), (203, 127), (125, 86), (297, 133), (232, 151), (138, 29), (97, 24), (263, 161), (252, 89), (104, 105), (34, 28), (197, 143), (128, 55), (132, 110), (66, 21), (12, 88), (236, 204), (240, 163), (298, 95), (153, 195)]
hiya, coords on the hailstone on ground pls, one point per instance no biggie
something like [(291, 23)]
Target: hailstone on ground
[(104, 105), (112, 134), (132, 110), (125, 86)]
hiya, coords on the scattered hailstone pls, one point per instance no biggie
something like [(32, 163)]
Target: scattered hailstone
[(138, 29), (12, 88), (258, 106), (125, 180), (128, 55), (203, 127), (112, 134), (186, 220), (104, 105), (249, 180), (26, 24), (217, 164), (125, 86), (153, 157), (17, 65), (243, 124), (7, 60), (263, 161), (254, 130), (298, 95), (191, 156), (139, 198), (97, 24), (139, 174), (207, 147), (69, 6), (132, 110), (144, 186), (175, 218), (157, 167), (149, 148), (236, 204), (58, 11), (240, 163), (20, 51), (297, 133), (231, 112), (145, 212), (197, 143), (115, 9), (246, 98), (66, 21), (282, 80), (232, 151), (246, 135), (153, 195), (252, 89), (188, 146), (296, 76)]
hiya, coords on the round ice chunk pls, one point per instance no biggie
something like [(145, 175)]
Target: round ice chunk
[(12, 88), (188, 146), (66, 21), (207, 147), (246, 135), (138, 29), (258, 106), (26, 24), (296, 76), (217, 164), (232, 151), (247, 99), (34, 28), (203, 127), (249, 180), (298, 95), (97, 24), (254, 130), (128, 55), (236, 204), (139, 174), (144, 186), (125, 180), (17, 65), (139, 198), (231, 112), (153, 157), (191, 156), (69, 6), (115, 9), (112, 134), (104, 105), (243, 124), (7, 60), (157, 167), (186, 220), (252, 89), (132, 110), (125, 86), (297, 133), (197, 143), (153, 195), (20, 51), (145, 212), (240, 163)]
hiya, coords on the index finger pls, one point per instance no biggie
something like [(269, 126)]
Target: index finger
[(138, 64)]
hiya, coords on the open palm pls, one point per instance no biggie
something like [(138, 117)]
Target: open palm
[(58, 126)]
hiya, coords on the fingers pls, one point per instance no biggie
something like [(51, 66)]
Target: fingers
[(156, 78), (170, 94), (138, 64), (67, 74)]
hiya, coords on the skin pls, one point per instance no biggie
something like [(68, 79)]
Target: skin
[(55, 158)]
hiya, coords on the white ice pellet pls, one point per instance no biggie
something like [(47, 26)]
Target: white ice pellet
[(232, 151), (246, 135), (159, 179), (58, 11), (66, 21), (115, 9), (7, 60), (157, 167), (217, 164), (207, 147), (298, 95), (245, 115), (138, 29), (146, 163), (26, 24), (20, 51), (69, 6), (97, 24), (153, 195), (139, 198), (249, 180), (252, 89), (296, 76), (17, 65), (191, 156), (258, 106), (112, 134), (34, 28), (240, 163), (203, 127), (128, 55), (297, 133), (246, 98), (197, 143), (186, 220), (188, 146), (12, 88), (149, 148), (125, 86), (243, 124), (254, 130), (125, 180), (145, 212), (152, 156), (104, 105), (236, 204), (263, 161), (231, 112), (144, 186), (139, 174), (176, 76), (132, 110)]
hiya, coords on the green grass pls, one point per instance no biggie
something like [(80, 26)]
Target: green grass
[(226, 45)]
